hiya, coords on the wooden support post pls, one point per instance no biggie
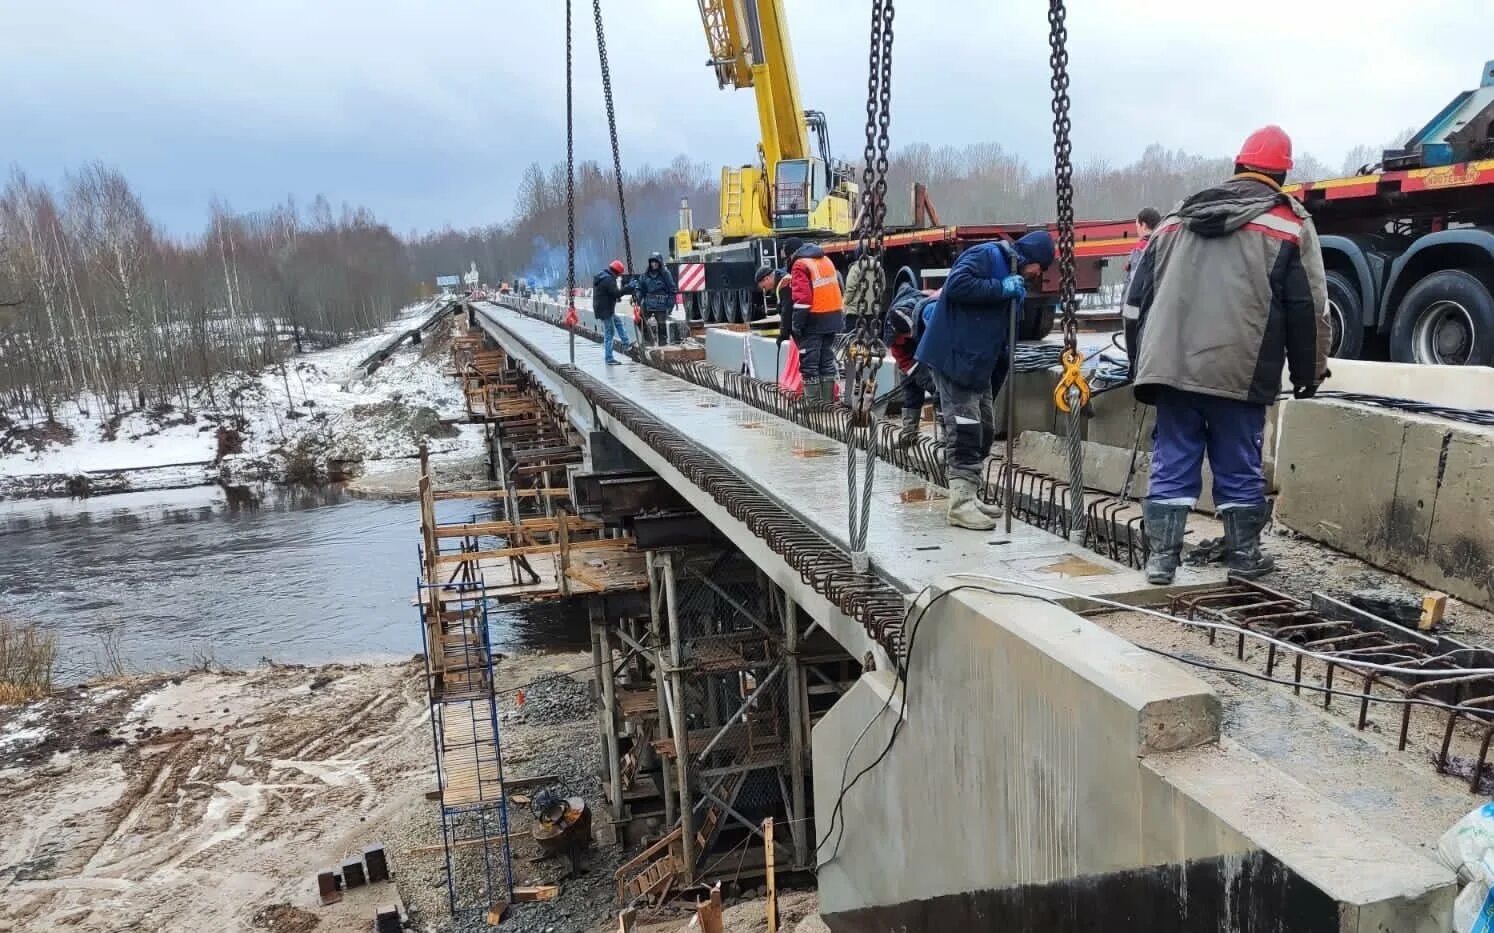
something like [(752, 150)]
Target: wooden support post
[(603, 654), (708, 913), (772, 877), (798, 812), (666, 725), (681, 730)]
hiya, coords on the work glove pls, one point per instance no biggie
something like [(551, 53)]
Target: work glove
[(1014, 286), (637, 315), (1307, 391)]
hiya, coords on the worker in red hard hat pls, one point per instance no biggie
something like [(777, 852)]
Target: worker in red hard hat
[(1230, 290), (606, 289)]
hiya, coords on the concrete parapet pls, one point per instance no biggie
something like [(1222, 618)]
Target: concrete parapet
[(1406, 492), (1049, 775)]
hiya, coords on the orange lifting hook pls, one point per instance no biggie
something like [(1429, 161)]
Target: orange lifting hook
[(1073, 377)]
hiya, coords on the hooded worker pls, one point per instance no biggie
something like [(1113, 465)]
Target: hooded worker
[(606, 289), (907, 317), (819, 315), (1230, 290), (655, 292), (963, 345)]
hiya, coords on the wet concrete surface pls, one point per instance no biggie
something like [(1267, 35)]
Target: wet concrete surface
[(909, 541)]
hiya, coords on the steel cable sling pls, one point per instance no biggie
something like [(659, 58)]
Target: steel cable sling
[(1072, 392), (622, 206), (866, 350), (571, 318)]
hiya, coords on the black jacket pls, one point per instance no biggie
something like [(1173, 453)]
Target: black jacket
[(606, 289)]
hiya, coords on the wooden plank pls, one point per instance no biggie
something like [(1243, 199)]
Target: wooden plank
[(447, 560), (525, 894), (627, 920), (537, 525), (772, 904)]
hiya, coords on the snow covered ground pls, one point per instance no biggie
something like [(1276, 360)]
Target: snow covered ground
[(320, 400)]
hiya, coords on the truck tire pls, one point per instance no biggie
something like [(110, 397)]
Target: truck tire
[(1447, 318), (1346, 317), (1037, 322)]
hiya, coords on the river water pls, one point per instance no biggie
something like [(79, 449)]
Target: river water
[(170, 578)]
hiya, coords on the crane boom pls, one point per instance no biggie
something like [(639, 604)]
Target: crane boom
[(750, 47), (792, 188)]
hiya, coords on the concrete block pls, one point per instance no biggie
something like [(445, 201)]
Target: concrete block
[(1035, 410), (1338, 467), (1402, 491), (1460, 540)]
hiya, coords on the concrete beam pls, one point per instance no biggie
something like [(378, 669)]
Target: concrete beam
[(1050, 775)]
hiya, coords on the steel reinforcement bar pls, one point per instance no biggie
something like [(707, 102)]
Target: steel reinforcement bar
[(870, 600)]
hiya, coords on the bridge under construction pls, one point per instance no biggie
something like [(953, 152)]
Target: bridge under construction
[(1009, 728)]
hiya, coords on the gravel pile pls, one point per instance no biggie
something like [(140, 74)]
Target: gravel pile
[(553, 702)]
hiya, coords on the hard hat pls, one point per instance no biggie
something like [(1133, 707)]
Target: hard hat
[(1268, 148), (616, 266)]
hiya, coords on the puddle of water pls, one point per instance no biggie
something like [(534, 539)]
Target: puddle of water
[(810, 453), (921, 494), (1075, 566)]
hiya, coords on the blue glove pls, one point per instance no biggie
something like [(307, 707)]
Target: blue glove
[(1014, 286)]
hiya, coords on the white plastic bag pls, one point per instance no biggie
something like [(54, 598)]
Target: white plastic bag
[(1468, 849)]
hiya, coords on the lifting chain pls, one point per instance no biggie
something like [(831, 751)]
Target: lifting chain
[(622, 207), (866, 350), (1072, 391), (571, 317)]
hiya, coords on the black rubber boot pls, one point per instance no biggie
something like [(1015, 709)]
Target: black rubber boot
[(1242, 541), (1165, 525)]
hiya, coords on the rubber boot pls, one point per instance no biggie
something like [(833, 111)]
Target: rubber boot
[(963, 511), (1242, 541), (1164, 538)]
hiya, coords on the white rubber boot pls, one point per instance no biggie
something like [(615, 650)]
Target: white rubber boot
[(963, 510)]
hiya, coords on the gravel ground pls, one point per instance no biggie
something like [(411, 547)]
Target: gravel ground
[(553, 734)]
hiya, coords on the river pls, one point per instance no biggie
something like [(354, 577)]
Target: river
[(165, 580)]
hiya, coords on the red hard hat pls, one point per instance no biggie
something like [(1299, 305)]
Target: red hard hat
[(1268, 148), (617, 266)]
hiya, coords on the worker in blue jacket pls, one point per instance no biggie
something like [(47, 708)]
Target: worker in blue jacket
[(964, 344)]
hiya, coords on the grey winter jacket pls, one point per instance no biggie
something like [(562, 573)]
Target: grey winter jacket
[(1230, 288)]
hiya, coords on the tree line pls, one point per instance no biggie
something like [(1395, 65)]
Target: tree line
[(969, 184), (98, 303), (100, 307)]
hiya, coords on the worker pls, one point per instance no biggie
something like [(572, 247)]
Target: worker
[(819, 315), (864, 286), (606, 289), (1230, 290), (776, 282), (907, 318), (962, 346), (655, 293), (1146, 221)]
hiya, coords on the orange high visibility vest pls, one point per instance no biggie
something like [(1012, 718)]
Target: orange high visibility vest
[(827, 298)]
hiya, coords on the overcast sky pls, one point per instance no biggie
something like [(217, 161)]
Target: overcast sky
[(428, 112)]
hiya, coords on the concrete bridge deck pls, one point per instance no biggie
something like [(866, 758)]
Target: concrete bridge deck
[(1038, 772)]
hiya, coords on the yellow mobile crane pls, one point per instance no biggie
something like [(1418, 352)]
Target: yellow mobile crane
[(792, 189)]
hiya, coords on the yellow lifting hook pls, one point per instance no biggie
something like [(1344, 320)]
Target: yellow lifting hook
[(1073, 377)]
